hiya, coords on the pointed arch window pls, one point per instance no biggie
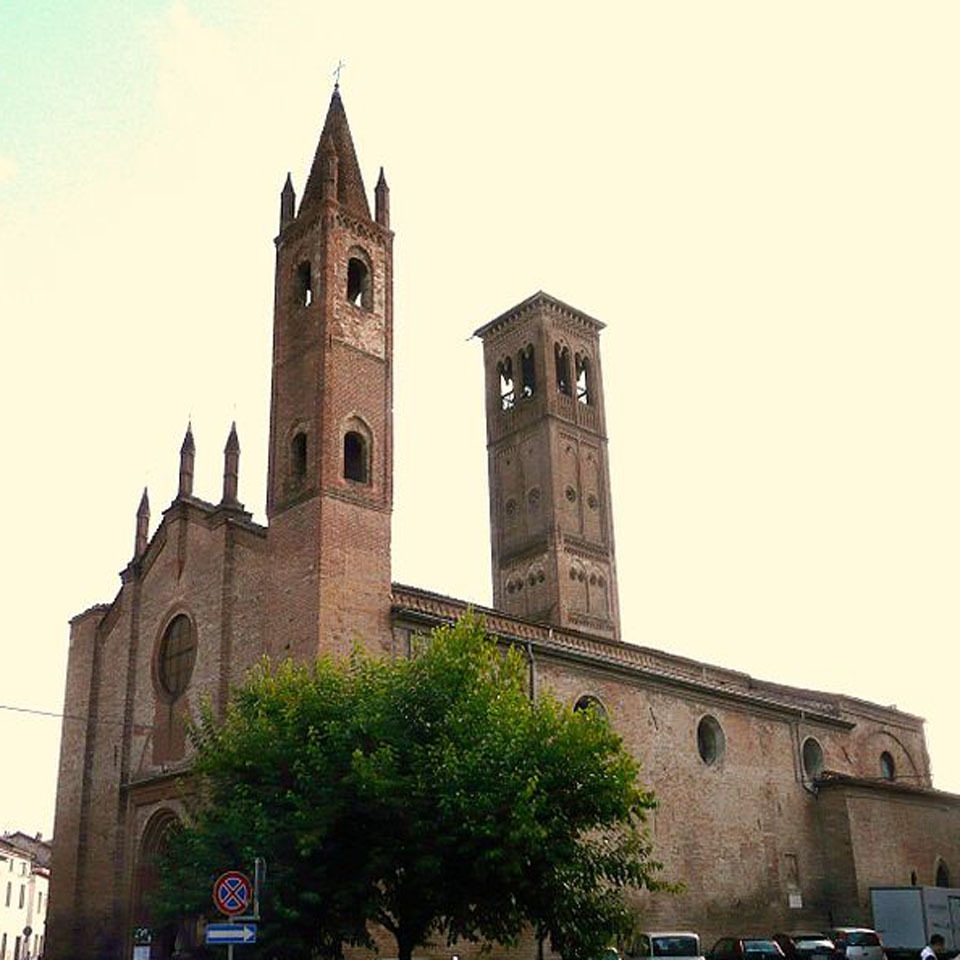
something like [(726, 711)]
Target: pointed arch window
[(304, 284), (505, 377), (298, 457), (562, 358), (359, 281), (528, 376), (584, 386), (356, 457)]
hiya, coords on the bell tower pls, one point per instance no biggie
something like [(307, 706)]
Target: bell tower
[(551, 527), (330, 473)]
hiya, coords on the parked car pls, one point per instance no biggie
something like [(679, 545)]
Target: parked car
[(735, 948), (677, 943), (806, 945), (857, 943)]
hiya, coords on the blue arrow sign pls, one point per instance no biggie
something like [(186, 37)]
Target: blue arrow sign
[(227, 933)]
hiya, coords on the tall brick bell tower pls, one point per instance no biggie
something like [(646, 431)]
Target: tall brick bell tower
[(550, 515), (330, 474)]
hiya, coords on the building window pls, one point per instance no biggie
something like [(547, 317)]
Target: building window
[(812, 754), (528, 377), (3, 947), (298, 457), (942, 878), (711, 743), (9, 889), (887, 768), (589, 702), (304, 284), (584, 387), (355, 457), (505, 374), (562, 357), (358, 284), (23, 894), (39, 902), (178, 652)]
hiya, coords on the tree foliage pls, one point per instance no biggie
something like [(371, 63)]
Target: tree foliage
[(429, 795)]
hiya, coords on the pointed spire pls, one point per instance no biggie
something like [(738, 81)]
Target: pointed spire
[(350, 190), (288, 203), (143, 526), (231, 467), (329, 162), (187, 452), (382, 200)]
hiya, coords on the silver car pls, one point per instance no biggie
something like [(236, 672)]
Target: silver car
[(857, 943), (672, 944)]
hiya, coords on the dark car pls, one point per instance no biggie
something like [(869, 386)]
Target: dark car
[(805, 945), (736, 948)]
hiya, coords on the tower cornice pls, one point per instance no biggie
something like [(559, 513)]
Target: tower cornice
[(539, 301)]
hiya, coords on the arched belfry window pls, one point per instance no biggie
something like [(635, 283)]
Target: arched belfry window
[(298, 457), (942, 878), (528, 376), (584, 386), (505, 377), (359, 282), (562, 357), (356, 457), (304, 285)]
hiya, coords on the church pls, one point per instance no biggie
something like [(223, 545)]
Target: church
[(779, 807)]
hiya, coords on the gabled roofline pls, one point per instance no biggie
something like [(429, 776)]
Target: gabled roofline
[(653, 666)]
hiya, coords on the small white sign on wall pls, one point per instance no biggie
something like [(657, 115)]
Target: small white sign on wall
[(796, 903)]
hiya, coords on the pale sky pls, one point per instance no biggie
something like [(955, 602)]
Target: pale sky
[(759, 199)]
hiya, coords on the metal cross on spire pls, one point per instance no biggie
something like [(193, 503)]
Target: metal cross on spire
[(336, 74)]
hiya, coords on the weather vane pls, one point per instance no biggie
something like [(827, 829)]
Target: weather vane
[(336, 74)]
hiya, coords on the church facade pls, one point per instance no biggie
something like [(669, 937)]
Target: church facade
[(779, 807)]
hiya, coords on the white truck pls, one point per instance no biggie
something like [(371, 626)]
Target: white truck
[(907, 917)]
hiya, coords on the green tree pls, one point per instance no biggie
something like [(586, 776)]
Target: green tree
[(429, 795)]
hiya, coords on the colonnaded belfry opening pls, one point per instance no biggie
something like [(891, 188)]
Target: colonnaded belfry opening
[(771, 796)]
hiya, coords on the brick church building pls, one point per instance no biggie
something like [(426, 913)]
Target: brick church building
[(780, 807)]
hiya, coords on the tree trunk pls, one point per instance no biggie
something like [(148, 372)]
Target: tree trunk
[(404, 945)]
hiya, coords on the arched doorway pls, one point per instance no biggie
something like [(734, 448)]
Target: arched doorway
[(164, 940)]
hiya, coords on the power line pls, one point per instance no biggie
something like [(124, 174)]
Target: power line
[(71, 716), (61, 716)]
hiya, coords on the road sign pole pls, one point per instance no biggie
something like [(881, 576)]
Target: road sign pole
[(229, 951)]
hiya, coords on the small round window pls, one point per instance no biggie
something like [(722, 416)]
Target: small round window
[(711, 744), (887, 768), (812, 758), (178, 652)]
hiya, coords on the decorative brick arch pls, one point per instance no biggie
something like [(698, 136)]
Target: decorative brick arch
[(878, 742), (173, 938)]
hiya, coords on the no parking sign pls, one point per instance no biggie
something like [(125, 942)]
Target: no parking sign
[(232, 893)]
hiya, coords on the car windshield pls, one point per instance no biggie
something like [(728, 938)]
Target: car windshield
[(676, 947), (809, 939), (767, 947), (862, 938)]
